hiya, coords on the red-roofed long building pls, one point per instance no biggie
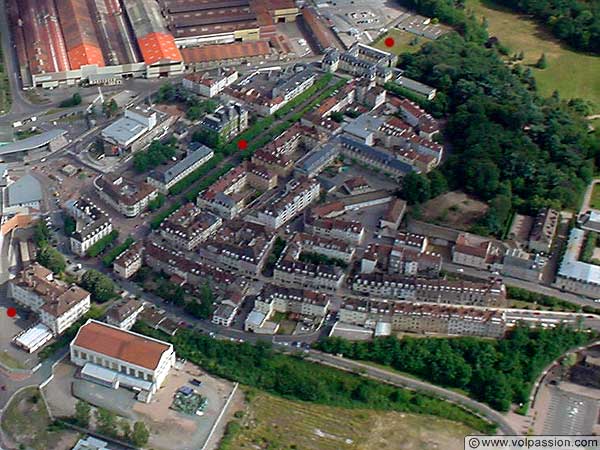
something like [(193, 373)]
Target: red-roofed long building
[(114, 357)]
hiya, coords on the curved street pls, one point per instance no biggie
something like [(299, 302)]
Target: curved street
[(403, 381)]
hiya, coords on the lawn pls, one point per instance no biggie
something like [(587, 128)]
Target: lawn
[(10, 361), (402, 42), (572, 74), (273, 422), (595, 200), (26, 421)]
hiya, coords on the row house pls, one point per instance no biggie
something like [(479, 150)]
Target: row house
[(190, 271), (240, 246), (400, 287), (304, 302), (425, 318), (350, 231), (332, 248)]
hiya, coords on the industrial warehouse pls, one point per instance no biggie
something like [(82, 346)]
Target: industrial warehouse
[(98, 42)]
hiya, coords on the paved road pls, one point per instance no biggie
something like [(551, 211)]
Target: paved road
[(411, 383)]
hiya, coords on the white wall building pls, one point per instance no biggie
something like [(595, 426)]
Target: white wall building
[(114, 357)]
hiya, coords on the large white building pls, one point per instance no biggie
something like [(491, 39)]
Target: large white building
[(297, 197), (114, 357), (574, 275), (58, 304)]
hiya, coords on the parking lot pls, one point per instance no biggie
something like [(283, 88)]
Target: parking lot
[(569, 413), (10, 355), (169, 429)]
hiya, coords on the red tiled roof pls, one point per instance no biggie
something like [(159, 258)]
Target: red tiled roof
[(124, 345), (157, 47)]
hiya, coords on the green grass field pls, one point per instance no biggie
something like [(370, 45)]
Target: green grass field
[(275, 423), (26, 421), (572, 74), (402, 42)]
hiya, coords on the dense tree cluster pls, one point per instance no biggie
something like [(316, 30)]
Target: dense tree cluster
[(496, 372), (294, 378), (509, 146), (157, 153), (576, 22), (98, 285)]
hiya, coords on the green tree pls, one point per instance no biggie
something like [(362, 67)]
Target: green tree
[(416, 188), (438, 183), (125, 427), (52, 259), (106, 422), (69, 225), (542, 63), (483, 178), (99, 285), (82, 414), (110, 108), (140, 434), (41, 234)]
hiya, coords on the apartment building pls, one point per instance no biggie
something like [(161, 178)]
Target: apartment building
[(460, 292), (129, 261), (543, 231), (126, 196), (304, 302), (574, 275), (92, 224), (332, 248), (189, 226), (425, 318), (350, 231), (124, 313), (298, 195), (240, 246), (207, 84), (289, 270), (227, 121), (229, 195), (165, 178), (114, 357), (196, 273), (58, 304)]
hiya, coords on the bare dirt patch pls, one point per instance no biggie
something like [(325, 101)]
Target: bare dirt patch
[(454, 209)]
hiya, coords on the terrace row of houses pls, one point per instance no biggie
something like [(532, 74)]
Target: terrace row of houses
[(423, 318)]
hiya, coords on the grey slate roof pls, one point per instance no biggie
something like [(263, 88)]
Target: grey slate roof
[(26, 189)]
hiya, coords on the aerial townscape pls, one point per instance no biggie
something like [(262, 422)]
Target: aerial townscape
[(299, 224)]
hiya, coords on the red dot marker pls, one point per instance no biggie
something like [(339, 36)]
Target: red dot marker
[(389, 42), (242, 144), (11, 312)]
